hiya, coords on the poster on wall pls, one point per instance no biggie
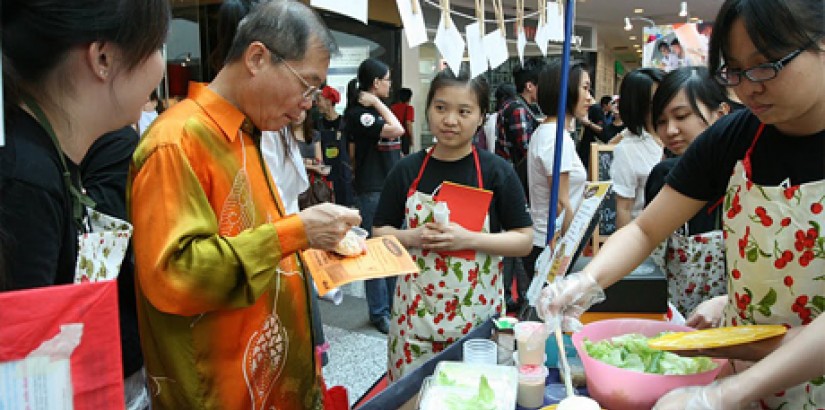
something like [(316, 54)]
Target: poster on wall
[(679, 45)]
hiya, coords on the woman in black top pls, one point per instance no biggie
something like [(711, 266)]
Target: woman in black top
[(375, 146), (686, 103), (72, 71), (334, 146)]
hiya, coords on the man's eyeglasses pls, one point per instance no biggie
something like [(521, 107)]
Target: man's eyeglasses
[(311, 92), (732, 77)]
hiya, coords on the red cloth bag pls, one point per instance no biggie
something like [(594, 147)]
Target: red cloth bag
[(30, 317)]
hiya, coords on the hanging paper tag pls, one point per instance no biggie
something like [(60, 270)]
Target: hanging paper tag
[(475, 49), (413, 22), (449, 43)]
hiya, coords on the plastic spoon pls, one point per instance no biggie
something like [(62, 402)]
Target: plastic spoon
[(571, 401)]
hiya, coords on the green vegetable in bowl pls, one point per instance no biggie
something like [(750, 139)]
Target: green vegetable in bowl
[(631, 352)]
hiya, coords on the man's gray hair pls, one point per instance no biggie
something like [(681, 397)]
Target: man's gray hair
[(285, 27)]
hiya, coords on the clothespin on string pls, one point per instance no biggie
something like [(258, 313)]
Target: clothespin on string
[(499, 17), (445, 12)]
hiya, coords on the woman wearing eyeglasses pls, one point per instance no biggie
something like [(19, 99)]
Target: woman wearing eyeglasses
[(769, 164), (375, 147)]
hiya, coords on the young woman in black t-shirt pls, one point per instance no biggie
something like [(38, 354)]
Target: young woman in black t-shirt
[(451, 293), (769, 163)]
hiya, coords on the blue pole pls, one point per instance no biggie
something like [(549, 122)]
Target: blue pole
[(561, 125)]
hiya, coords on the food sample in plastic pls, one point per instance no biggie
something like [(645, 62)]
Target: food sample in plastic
[(353, 244)]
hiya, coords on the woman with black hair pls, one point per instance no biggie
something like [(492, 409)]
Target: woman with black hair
[(768, 163), (375, 147), (638, 151), (452, 294), (687, 102), (72, 72)]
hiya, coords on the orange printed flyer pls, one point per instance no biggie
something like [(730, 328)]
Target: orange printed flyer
[(385, 257)]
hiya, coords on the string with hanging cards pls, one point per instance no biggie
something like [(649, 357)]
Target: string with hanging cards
[(447, 11)]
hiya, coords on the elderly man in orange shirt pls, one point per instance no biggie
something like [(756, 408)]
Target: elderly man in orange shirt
[(223, 301)]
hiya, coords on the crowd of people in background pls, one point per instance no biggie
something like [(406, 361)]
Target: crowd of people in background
[(259, 158)]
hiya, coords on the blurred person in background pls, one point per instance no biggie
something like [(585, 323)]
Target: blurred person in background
[(405, 113), (541, 156), (375, 147), (638, 151)]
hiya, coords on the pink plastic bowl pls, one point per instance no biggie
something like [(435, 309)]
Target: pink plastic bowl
[(620, 389)]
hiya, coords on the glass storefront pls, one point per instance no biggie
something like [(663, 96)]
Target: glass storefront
[(193, 37)]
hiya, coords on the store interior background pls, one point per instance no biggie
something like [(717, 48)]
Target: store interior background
[(358, 355)]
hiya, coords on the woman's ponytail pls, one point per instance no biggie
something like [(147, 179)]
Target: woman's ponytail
[(352, 94)]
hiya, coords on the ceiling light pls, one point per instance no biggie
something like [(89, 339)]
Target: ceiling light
[(637, 45), (683, 11), (627, 25), (638, 11), (632, 38)]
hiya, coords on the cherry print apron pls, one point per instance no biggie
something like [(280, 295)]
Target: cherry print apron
[(446, 299), (776, 263), (695, 268)]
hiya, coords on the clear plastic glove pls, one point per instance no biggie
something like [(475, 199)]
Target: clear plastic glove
[(715, 396), (564, 300), (708, 314)]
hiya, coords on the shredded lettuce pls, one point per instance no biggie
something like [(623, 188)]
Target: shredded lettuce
[(631, 352), (485, 399)]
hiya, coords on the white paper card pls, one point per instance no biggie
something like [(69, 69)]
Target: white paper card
[(495, 45), (413, 23), (542, 33), (450, 44), (521, 42), (555, 22), (475, 49), (48, 368), (356, 9)]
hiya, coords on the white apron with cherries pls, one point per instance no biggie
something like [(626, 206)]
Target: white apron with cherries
[(102, 247), (776, 264), (695, 268), (446, 299)]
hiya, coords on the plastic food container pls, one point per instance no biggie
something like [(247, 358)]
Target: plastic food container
[(458, 381), (354, 242), (531, 338), (621, 389), (482, 351), (531, 380)]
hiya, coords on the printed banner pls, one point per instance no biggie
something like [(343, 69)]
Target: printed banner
[(672, 46)]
